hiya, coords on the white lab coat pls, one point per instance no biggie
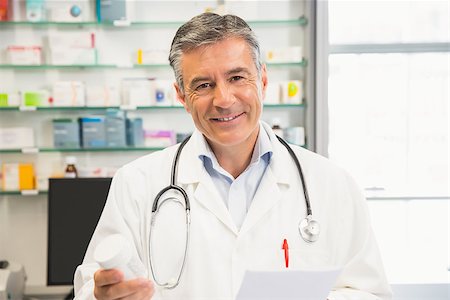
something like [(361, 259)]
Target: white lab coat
[(218, 253)]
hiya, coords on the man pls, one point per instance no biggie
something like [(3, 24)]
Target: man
[(245, 192)]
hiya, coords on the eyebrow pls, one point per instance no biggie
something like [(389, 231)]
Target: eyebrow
[(193, 84), (237, 71)]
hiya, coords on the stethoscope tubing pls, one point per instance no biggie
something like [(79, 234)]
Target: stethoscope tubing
[(300, 171), (173, 186)]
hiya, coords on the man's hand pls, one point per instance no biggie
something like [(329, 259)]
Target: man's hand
[(109, 285)]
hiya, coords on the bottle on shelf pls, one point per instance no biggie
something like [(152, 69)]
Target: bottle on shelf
[(276, 127), (71, 170)]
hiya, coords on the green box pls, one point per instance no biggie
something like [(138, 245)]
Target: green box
[(3, 99), (34, 98)]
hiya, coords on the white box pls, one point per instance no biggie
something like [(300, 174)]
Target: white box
[(159, 138), (272, 93), (291, 92), (164, 93), (73, 56), (295, 135), (71, 40), (10, 177), (137, 92), (24, 55), (68, 93), (16, 138), (152, 56), (102, 95), (284, 55)]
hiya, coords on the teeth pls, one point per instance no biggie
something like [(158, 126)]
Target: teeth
[(226, 119)]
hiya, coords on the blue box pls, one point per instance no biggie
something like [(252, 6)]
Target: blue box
[(115, 128), (135, 132), (66, 133), (111, 10), (93, 132)]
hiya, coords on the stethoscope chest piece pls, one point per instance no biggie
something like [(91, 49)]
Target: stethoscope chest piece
[(309, 229)]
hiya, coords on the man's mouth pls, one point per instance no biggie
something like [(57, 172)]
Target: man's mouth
[(227, 119)]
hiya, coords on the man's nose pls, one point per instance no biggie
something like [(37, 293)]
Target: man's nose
[(223, 96)]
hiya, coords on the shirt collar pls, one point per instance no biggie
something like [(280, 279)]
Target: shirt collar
[(263, 150)]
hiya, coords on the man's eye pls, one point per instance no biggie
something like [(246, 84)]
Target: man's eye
[(236, 78), (204, 86)]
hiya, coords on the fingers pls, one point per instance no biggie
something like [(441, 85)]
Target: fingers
[(109, 285), (107, 277)]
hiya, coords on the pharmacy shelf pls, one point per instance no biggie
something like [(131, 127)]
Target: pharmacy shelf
[(23, 193), (301, 21), (106, 149), (36, 150), (125, 108), (302, 63)]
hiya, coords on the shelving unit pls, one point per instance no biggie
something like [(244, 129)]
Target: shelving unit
[(290, 24), (302, 63), (82, 108), (301, 21)]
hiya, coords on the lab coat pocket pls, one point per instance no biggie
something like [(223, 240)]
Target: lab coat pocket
[(275, 259), (307, 258)]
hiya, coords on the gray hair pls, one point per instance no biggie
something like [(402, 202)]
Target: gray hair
[(206, 29)]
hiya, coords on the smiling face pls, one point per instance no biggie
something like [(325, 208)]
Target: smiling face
[(223, 93)]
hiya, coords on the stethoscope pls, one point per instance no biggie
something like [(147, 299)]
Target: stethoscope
[(308, 228)]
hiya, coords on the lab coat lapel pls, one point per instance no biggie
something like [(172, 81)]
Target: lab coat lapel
[(267, 195), (208, 196), (273, 184), (192, 171)]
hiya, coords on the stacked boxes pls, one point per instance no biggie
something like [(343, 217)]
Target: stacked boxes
[(111, 130)]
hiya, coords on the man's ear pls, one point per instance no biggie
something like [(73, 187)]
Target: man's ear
[(181, 97)]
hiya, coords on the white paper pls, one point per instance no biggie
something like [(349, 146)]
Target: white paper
[(287, 284)]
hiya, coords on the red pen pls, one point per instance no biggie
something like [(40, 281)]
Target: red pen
[(285, 247)]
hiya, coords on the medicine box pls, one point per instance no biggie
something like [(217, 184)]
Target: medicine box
[(135, 132), (36, 98), (9, 99), (115, 128), (35, 10), (18, 176), (71, 40), (159, 138), (92, 130), (272, 93), (137, 92), (163, 93), (284, 55), (292, 92), (4, 10), (108, 10), (16, 138), (73, 56), (68, 93), (67, 11), (24, 55), (102, 95), (66, 133)]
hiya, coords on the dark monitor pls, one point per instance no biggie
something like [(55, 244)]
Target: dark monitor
[(74, 208)]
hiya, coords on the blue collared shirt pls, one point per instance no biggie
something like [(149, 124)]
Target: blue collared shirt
[(237, 193)]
